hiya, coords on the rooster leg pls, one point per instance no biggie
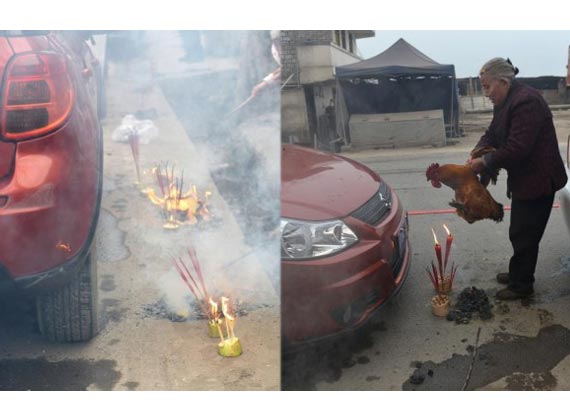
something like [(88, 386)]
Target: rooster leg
[(461, 211), (457, 205)]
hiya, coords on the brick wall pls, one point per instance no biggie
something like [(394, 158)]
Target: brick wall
[(290, 39)]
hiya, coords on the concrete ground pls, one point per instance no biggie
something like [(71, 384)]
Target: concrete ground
[(140, 348), (525, 346)]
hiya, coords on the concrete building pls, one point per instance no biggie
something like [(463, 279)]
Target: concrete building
[(308, 61)]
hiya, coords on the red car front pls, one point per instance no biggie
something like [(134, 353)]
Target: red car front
[(50, 175), (345, 247)]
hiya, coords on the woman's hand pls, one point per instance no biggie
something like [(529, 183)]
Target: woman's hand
[(477, 165)]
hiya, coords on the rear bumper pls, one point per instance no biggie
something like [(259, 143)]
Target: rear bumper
[(328, 297), (57, 277), (49, 225)]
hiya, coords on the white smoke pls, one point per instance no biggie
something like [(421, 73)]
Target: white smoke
[(192, 81)]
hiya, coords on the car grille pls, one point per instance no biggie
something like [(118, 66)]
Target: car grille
[(396, 263), (377, 208), (401, 246)]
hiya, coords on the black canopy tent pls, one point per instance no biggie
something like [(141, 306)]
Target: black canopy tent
[(400, 79)]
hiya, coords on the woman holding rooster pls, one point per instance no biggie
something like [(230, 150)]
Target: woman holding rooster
[(523, 134)]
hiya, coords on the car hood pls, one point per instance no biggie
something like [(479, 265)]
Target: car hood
[(321, 186)]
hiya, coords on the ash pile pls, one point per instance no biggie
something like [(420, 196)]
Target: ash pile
[(247, 177), (471, 301), (161, 310)]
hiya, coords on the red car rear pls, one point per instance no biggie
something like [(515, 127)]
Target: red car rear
[(345, 247), (50, 176)]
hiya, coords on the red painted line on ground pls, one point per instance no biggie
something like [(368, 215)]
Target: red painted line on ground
[(446, 211)]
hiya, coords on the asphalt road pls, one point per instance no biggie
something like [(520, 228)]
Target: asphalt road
[(525, 346)]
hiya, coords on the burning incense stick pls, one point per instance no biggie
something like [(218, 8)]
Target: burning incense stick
[(134, 142), (188, 274), (231, 347), (243, 104), (220, 332), (453, 272), (215, 325), (196, 264), (437, 285), (185, 279), (178, 207), (431, 277)]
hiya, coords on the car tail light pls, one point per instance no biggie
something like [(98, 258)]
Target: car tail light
[(37, 96)]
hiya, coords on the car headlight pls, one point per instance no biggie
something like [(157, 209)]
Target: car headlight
[(301, 240)]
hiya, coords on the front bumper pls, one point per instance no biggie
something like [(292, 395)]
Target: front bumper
[(340, 293)]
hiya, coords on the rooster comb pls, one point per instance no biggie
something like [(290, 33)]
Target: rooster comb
[(430, 170)]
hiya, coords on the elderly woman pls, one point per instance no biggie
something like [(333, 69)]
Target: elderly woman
[(526, 146)]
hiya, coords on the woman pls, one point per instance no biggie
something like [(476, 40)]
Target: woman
[(523, 134)]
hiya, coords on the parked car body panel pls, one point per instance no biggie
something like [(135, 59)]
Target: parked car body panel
[(329, 295), (50, 188), (314, 185)]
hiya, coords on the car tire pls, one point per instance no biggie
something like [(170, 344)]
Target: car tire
[(70, 314)]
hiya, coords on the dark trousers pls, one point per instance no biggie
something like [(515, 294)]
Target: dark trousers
[(528, 221)]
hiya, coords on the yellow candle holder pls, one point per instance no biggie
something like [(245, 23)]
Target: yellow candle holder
[(214, 327), (440, 305), (230, 347), (444, 288)]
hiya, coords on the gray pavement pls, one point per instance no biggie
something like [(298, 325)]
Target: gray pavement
[(525, 346), (140, 348)]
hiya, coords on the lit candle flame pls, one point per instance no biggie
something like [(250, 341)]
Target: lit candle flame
[(179, 208), (213, 308), (434, 237), (448, 243), (229, 319)]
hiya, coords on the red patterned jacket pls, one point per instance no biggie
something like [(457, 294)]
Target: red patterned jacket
[(523, 133)]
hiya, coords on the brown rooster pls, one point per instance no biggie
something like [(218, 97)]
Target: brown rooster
[(472, 200)]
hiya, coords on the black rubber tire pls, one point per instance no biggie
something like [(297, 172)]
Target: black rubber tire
[(71, 314)]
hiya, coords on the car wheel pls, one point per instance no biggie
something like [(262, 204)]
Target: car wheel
[(70, 314)]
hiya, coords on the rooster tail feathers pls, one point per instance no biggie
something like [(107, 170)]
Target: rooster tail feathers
[(431, 170)]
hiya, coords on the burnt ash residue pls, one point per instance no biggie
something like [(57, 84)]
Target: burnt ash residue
[(507, 356), (66, 375), (471, 302), (251, 197), (112, 310), (303, 368), (161, 310), (107, 283)]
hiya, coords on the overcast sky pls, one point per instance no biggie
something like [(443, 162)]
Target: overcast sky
[(535, 53)]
